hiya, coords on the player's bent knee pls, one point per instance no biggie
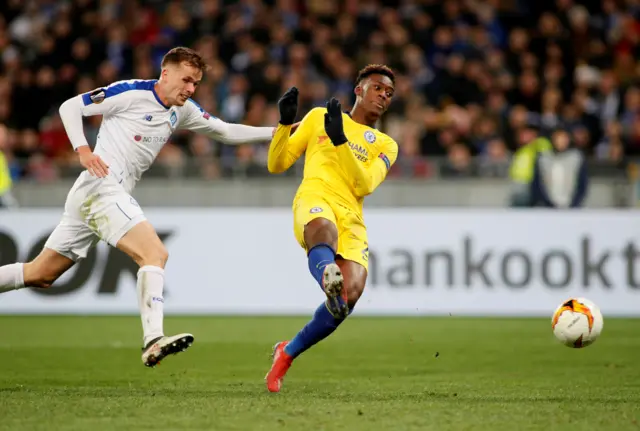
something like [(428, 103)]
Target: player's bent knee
[(45, 282), (37, 276), (320, 230), (155, 256), (163, 254)]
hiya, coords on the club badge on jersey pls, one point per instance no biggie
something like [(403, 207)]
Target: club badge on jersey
[(173, 119), (369, 136)]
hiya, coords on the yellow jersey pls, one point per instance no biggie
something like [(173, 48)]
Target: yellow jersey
[(348, 172)]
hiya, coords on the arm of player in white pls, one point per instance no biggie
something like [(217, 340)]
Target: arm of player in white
[(97, 102), (103, 101), (198, 120)]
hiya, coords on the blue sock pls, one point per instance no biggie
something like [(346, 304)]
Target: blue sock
[(320, 256), (320, 327)]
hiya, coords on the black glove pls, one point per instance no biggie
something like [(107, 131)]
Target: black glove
[(288, 105), (333, 122)]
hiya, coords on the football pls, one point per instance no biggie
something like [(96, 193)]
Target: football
[(577, 322)]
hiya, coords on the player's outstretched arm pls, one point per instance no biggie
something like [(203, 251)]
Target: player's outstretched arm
[(197, 120), (366, 179), (285, 148)]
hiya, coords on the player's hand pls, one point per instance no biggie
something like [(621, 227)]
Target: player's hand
[(92, 162), (288, 105), (333, 122)]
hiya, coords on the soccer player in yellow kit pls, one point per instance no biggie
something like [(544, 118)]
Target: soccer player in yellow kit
[(346, 158)]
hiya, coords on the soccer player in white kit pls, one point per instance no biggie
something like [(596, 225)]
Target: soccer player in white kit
[(138, 118)]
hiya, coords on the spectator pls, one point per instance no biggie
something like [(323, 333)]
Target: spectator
[(522, 169), (6, 198), (560, 176), (471, 76)]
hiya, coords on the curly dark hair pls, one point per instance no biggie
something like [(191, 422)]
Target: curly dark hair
[(376, 69)]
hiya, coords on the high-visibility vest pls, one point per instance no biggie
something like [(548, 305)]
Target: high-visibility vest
[(5, 175), (524, 159)]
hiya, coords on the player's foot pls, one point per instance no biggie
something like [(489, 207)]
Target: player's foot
[(157, 349), (333, 285), (279, 367)]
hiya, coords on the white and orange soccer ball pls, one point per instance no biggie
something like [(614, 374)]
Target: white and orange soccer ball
[(577, 322)]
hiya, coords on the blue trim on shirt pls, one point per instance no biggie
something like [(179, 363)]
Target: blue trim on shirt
[(153, 90), (86, 99), (122, 87)]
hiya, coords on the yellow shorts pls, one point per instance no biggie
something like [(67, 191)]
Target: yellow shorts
[(352, 233)]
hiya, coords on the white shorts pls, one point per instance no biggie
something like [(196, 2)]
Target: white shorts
[(96, 209)]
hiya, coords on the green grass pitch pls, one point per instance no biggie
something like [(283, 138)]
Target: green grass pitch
[(85, 373)]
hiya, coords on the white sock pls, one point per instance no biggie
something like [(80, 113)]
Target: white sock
[(11, 277), (150, 301)]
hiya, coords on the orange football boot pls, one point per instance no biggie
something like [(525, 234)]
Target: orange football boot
[(279, 367)]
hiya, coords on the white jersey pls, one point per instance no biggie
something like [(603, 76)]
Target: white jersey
[(136, 125), (134, 128)]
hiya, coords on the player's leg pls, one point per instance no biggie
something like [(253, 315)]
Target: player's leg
[(41, 272), (321, 238), (351, 264), (315, 228), (319, 233), (316, 231), (353, 259), (117, 219), (142, 244), (69, 242), (355, 278), (321, 241)]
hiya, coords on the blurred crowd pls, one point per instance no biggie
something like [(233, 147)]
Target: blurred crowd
[(477, 79)]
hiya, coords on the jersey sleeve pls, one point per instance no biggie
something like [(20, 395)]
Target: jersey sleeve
[(104, 101), (198, 120), (101, 101), (286, 148), (367, 179)]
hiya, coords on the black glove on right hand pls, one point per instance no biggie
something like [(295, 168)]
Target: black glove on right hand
[(333, 123), (288, 105)]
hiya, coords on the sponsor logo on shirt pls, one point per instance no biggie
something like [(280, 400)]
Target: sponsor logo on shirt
[(359, 151), (151, 139)]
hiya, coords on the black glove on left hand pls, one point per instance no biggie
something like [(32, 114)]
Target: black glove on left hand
[(288, 106)]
